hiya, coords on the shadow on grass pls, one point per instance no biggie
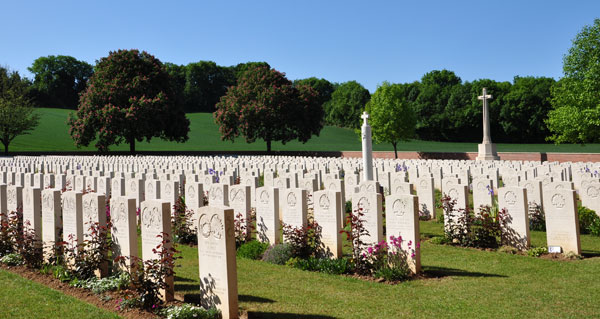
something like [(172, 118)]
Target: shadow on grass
[(192, 298), (282, 315), (195, 299), (248, 298), (182, 279), (438, 272), (590, 253), (186, 287), (425, 235)]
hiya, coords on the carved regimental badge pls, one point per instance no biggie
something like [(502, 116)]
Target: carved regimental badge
[(399, 207), (324, 202), (291, 200), (510, 198), (558, 201), (211, 226)]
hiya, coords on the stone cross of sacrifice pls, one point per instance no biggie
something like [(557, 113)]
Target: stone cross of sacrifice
[(365, 117), (486, 117)]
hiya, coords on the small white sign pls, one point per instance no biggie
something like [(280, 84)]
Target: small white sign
[(554, 249)]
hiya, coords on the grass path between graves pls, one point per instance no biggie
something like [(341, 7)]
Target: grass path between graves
[(52, 135), (23, 298), (461, 283)]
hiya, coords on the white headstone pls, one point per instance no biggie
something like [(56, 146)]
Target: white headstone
[(402, 220), (293, 207), (515, 231), (156, 226), (327, 214), (426, 193), (32, 211), (124, 228), (562, 223), (267, 215), (72, 212), (51, 220), (217, 263), (370, 204)]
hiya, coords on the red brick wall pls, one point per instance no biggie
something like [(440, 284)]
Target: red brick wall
[(508, 156)]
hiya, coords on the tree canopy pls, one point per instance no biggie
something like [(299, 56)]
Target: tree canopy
[(392, 116), (436, 88), (323, 87), (575, 117), (526, 108), (58, 80), (265, 105), (17, 115), (129, 98), (346, 104)]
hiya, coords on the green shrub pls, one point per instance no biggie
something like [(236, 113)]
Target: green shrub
[(481, 230), (335, 266), (589, 222), (348, 207), (537, 220), (537, 251), (508, 250), (187, 311), (393, 273), (98, 286), (61, 273), (305, 241), (12, 259), (278, 254), (325, 265), (439, 240), (252, 250), (571, 255)]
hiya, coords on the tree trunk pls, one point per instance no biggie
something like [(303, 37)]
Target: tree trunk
[(5, 148), (268, 146), (132, 146), (395, 150)]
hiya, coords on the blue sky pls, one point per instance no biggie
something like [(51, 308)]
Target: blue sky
[(366, 41)]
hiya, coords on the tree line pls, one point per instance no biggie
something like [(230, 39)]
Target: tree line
[(446, 108)]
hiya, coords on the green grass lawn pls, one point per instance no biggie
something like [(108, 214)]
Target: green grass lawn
[(22, 298), (52, 135)]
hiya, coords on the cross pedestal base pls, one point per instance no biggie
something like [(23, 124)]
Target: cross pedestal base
[(487, 152)]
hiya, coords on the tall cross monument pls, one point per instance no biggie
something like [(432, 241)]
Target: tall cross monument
[(487, 149), (367, 148)]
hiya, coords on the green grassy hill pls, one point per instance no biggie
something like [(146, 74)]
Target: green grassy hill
[(52, 135)]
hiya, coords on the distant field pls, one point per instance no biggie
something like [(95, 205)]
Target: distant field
[(52, 135)]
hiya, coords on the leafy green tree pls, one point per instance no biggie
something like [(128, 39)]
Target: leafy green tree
[(525, 109), (346, 105), (322, 86), (17, 115), (575, 117), (177, 79), (129, 98), (238, 70), (58, 80), (392, 116), (265, 105), (205, 83), (430, 106), (464, 118)]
